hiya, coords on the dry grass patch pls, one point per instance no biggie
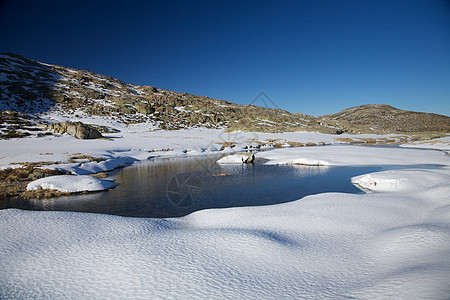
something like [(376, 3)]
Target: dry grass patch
[(390, 141), (226, 144), (347, 140), (14, 181), (398, 139), (278, 145), (101, 175), (263, 143), (36, 163), (39, 194), (73, 159), (367, 141), (273, 140), (433, 142), (296, 144), (160, 150)]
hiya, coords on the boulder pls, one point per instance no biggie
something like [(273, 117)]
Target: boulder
[(76, 129)]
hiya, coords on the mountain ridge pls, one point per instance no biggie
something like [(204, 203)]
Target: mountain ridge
[(383, 117), (41, 89)]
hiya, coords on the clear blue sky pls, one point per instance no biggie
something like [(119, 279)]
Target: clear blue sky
[(312, 56)]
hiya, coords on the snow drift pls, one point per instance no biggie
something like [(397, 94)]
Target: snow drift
[(71, 183), (393, 243)]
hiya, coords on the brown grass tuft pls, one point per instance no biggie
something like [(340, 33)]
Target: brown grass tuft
[(226, 144), (73, 159), (13, 181)]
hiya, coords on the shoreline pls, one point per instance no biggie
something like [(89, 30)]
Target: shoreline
[(68, 155), (93, 166)]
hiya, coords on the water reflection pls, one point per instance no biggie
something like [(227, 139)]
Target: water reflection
[(178, 186)]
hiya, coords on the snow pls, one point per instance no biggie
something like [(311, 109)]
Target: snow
[(97, 167), (441, 143), (402, 180), (134, 142), (180, 108), (335, 245), (340, 155), (71, 183), (140, 141), (233, 159), (392, 242)]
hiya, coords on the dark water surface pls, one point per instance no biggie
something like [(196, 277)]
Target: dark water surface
[(178, 186)]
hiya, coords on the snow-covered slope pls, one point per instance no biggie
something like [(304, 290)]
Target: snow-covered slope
[(54, 92), (384, 245)]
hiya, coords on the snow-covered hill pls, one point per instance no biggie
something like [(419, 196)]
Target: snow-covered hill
[(49, 91), (52, 93)]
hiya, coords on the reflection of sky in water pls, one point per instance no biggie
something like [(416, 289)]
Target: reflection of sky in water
[(155, 188)]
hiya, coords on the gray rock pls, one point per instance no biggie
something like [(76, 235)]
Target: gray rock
[(76, 129)]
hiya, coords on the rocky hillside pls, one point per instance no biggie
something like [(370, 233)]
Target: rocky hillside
[(387, 119), (41, 89), (34, 93)]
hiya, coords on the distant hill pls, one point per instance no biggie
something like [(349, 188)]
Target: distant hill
[(43, 91), (384, 118)]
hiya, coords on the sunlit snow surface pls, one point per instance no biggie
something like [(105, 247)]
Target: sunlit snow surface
[(233, 159), (391, 243), (71, 183), (339, 155)]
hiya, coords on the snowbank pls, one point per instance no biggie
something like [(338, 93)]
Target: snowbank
[(96, 167), (380, 245), (441, 144), (235, 159), (343, 155), (402, 180), (393, 243), (71, 183)]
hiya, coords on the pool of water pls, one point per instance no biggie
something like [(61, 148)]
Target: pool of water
[(178, 186)]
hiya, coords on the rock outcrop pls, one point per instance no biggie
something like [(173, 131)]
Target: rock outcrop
[(76, 129)]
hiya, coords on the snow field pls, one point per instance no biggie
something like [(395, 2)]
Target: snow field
[(345, 155), (441, 143), (135, 142), (403, 180), (391, 243)]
